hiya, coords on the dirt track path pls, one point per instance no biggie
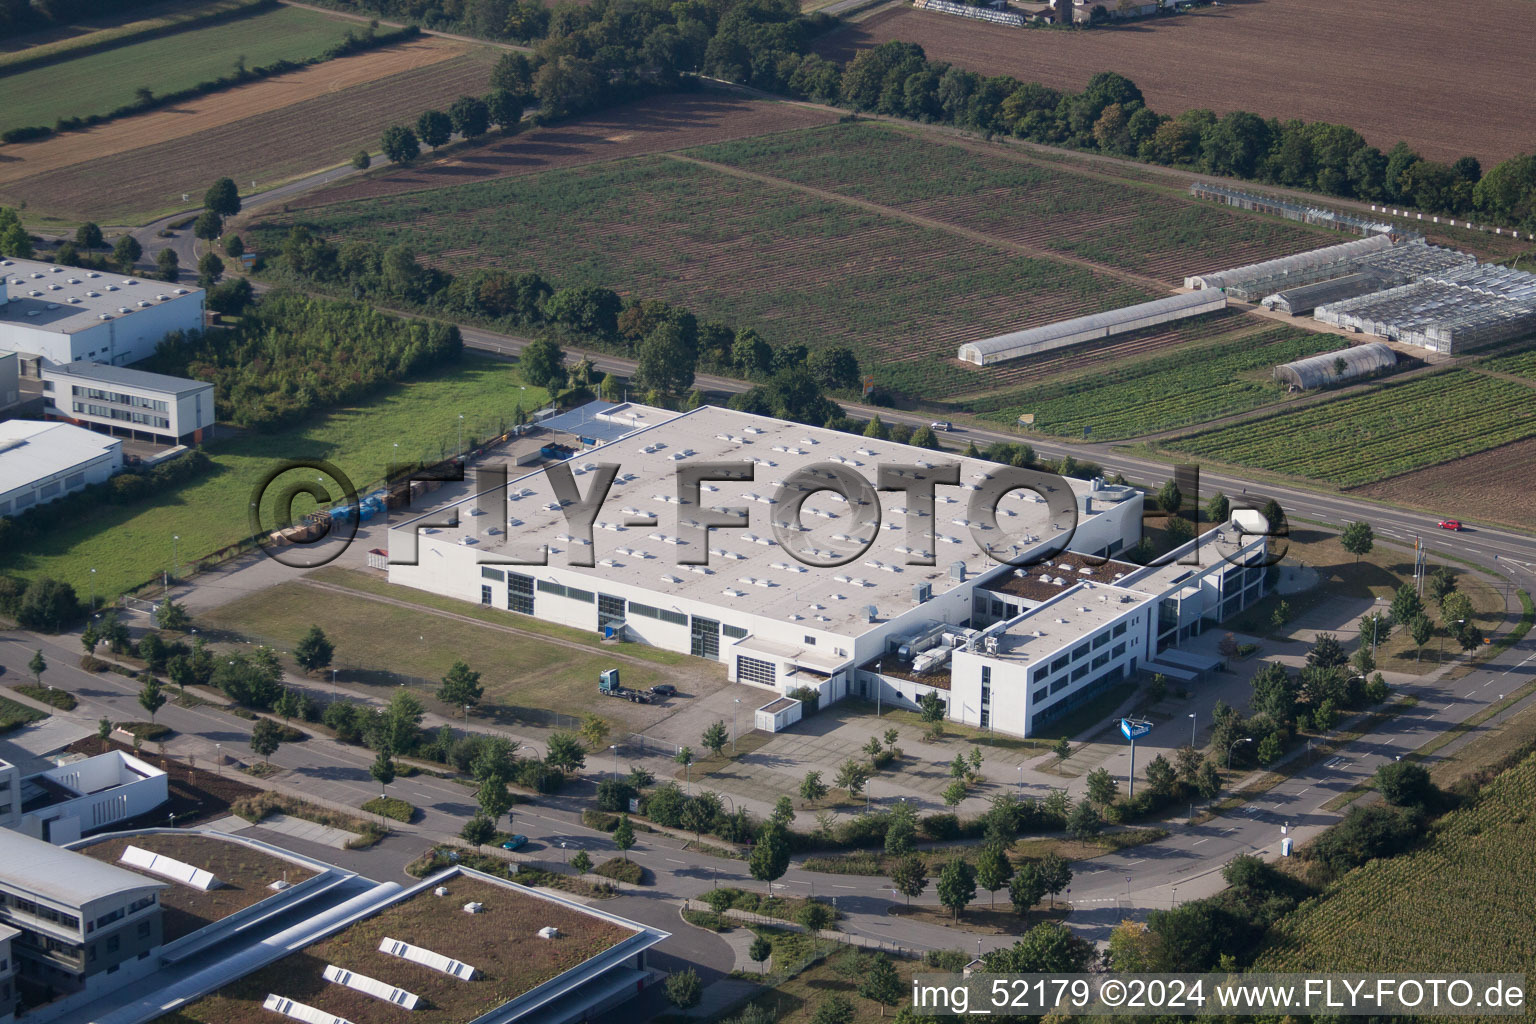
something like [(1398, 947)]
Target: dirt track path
[(991, 241)]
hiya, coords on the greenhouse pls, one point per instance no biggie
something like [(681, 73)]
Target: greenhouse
[(1308, 297), (1253, 282), (1334, 367), (1090, 328), (1441, 317)]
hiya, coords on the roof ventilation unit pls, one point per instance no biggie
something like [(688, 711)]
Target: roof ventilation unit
[(871, 613), (957, 572), (922, 592)]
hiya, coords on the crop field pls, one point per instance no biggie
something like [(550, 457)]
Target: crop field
[(1178, 389), (100, 82), (1011, 197), (109, 29), (1492, 486), (797, 268), (1521, 364), (127, 545), (267, 131), (653, 125), (1393, 429), (1472, 881), (1441, 84)]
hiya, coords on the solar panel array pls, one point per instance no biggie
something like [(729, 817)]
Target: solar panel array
[(301, 1011), (427, 958), (370, 986), (168, 867)]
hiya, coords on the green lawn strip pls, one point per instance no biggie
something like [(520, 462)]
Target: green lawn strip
[(1069, 725), (128, 545), (14, 715), (382, 646), (367, 583), (170, 17), (100, 82)]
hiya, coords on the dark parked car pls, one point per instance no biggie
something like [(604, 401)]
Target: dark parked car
[(664, 690), (517, 842)]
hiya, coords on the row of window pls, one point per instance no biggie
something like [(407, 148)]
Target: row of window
[(120, 398), (520, 590), (31, 908), (676, 618), (561, 590), (1077, 675), (122, 415)]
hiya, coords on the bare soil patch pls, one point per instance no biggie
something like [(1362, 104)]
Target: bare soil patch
[(1389, 69), (267, 146), (1493, 486), (655, 125), (205, 113)]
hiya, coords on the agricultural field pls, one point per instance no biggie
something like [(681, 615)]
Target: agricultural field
[(1521, 364), (1192, 385), (1009, 196), (653, 125), (268, 131), (108, 30), (1245, 57), (1390, 430), (100, 82), (796, 268), (1471, 880), (128, 545), (1491, 486)]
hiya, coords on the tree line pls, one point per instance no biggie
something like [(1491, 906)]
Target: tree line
[(616, 50)]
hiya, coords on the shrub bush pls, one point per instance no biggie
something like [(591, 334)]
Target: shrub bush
[(621, 870), (147, 732), (53, 697), (942, 826), (391, 807)]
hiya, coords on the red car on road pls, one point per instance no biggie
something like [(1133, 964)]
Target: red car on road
[(1450, 524)]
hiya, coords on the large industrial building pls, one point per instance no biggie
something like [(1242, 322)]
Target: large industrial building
[(65, 314), (781, 623), (1094, 327), (61, 802), (42, 461), (129, 403)]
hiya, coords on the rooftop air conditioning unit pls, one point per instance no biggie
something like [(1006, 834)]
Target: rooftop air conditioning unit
[(871, 613), (957, 572)]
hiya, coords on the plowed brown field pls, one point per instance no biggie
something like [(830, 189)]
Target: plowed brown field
[(655, 125), (1492, 485), (1446, 79), (268, 147)]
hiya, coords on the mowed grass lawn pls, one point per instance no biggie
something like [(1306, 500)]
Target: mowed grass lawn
[(375, 640), (101, 82), (128, 545)]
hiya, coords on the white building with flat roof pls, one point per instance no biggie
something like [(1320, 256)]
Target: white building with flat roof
[(41, 461), (775, 620), (10, 379), (67, 314), (68, 800), (129, 403)]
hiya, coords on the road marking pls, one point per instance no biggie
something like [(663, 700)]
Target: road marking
[(674, 860), (1232, 829), (1199, 841), (835, 886), (1304, 791)]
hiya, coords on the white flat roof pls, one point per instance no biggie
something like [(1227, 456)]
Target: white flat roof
[(1211, 549), (122, 376), (64, 300), (747, 571), (1063, 621), (32, 450), (64, 876)]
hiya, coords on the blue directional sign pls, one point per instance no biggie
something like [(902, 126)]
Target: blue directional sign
[(1134, 730)]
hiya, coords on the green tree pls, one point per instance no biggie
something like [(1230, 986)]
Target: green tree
[(1270, 748), (783, 812), (1441, 582), (812, 789), (697, 816), (957, 885), (1218, 509), (1055, 874), (1047, 948), (505, 109), (954, 793), (1358, 538), (493, 798), (1421, 629), (478, 830), (624, 836), (834, 1010), (667, 359), (383, 771), (565, 752), (222, 198), (1375, 628), (104, 732), (168, 264), (770, 856), (1161, 776), (1404, 784), (1455, 609), (1208, 781), (910, 876), (209, 269), (875, 427), (1027, 889), (1169, 498), (684, 989), (471, 116), (1405, 605), (265, 739), (171, 615), (461, 687), (434, 127), (993, 870), (901, 830), (684, 757), (1062, 749), (760, 950), (1363, 661), (208, 226), (582, 863), (1326, 652), (14, 241), (361, 160), (126, 252), (594, 732), (1084, 822), (1102, 788), (852, 775), (542, 363), (314, 650), (399, 144), (881, 984), (37, 666), (88, 237), (715, 738)]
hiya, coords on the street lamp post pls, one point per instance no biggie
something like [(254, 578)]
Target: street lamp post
[(175, 542), (93, 591), (615, 748), (734, 707), (333, 686), (1191, 730), (1234, 745), (1021, 778), (460, 447)]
